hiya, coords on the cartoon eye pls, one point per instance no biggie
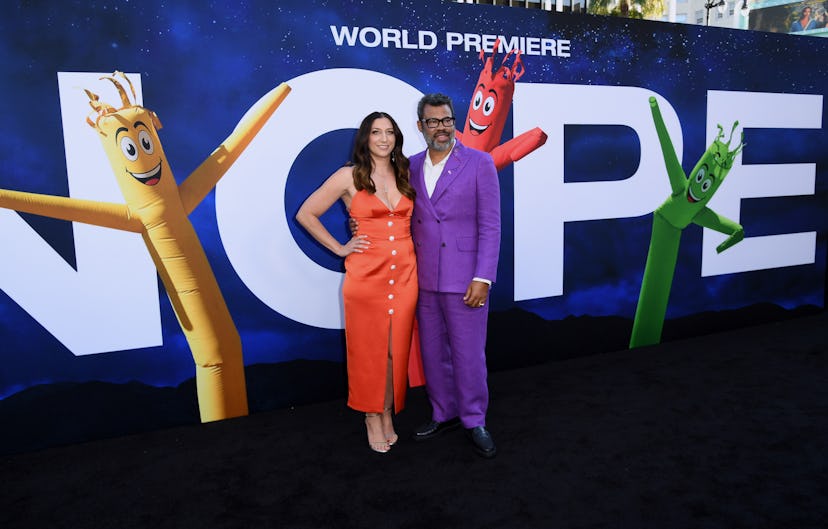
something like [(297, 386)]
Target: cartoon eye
[(702, 172), (129, 149), (146, 141), (706, 185), (488, 106), (478, 98)]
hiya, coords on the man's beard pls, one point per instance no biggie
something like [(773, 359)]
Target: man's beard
[(432, 142)]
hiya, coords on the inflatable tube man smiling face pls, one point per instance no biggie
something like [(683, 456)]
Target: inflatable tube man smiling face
[(711, 169), (491, 101), (130, 140)]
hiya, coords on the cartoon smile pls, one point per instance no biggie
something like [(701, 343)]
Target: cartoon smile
[(149, 178), (691, 197), (475, 128)]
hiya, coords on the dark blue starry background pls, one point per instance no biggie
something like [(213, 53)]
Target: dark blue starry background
[(224, 55)]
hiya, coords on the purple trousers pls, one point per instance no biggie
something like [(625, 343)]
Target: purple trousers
[(453, 347)]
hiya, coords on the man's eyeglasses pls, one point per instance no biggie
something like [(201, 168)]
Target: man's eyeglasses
[(433, 122)]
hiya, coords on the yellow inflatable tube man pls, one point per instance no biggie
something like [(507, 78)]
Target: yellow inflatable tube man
[(158, 209)]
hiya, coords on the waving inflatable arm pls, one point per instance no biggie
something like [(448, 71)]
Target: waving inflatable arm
[(206, 176), (86, 211)]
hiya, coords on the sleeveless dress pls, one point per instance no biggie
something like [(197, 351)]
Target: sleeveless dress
[(379, 297)]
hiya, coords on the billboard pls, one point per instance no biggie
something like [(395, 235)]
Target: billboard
[(791, 17), (86, 318)]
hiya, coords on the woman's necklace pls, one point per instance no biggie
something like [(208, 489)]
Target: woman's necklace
[(383, 187)]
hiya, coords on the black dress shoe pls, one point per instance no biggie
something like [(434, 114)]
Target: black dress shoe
[(433, 428), (482, 440)]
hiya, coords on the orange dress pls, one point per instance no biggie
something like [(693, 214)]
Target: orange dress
[(379, 297)]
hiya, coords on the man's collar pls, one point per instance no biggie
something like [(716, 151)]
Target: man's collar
[(451, 149)]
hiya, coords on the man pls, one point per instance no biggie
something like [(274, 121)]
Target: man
[(456, 232)]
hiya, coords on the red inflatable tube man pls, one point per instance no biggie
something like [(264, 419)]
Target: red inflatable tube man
[(489, 108)]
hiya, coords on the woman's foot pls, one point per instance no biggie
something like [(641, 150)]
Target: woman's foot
[(376, 436), (388, 427)]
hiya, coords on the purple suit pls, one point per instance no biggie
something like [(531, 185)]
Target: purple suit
[(456, 236)]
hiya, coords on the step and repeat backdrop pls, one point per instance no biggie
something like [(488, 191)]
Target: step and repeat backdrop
[(616, 140)]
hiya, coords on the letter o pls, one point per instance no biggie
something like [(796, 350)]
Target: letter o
[(250, 199), (367, 32)]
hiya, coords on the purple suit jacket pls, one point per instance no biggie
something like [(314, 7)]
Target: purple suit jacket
[(456, 232)]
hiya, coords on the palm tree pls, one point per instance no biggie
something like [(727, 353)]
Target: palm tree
[(650, 9)]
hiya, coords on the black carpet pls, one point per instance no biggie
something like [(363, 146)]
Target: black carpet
[(727, 431)]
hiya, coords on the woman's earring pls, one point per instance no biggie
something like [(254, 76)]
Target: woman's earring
[(393, 158)]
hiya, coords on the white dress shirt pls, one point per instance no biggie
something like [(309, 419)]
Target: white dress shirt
[(431, 172)]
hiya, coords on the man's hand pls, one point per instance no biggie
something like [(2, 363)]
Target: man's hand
[(476, 294)]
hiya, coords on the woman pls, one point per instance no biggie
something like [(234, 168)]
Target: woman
[(380, 287)]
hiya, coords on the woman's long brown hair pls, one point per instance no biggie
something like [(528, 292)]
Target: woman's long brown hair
[(364, 165)]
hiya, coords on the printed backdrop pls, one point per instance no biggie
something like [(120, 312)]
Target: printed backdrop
[(81, 304)]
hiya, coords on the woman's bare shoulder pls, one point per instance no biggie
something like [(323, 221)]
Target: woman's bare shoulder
[(343, 179)]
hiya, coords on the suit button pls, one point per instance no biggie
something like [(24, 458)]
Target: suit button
[(443, 245)]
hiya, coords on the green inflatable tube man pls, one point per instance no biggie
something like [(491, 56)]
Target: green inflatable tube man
[(687, 204)]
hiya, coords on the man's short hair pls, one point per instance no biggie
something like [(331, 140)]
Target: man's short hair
[(434, 100)]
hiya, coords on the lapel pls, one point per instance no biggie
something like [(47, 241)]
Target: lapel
[(450, 172), (417, 175), (418, 183)]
